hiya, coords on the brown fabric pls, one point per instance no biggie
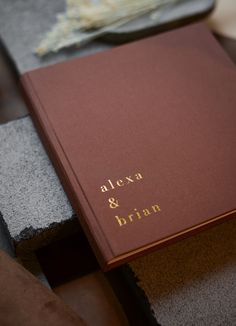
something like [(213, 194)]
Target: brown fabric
[(24, 301), (92, 297)]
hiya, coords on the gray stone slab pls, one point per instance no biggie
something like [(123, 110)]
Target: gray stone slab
[(29, 260), (23, 23), (33, 205), (192, 282)]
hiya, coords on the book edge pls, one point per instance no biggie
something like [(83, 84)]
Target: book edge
[(90, 225)]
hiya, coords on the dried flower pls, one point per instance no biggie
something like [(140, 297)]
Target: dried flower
[(85, 20)]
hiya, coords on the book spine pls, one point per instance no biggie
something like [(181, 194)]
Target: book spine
[(77, 199)]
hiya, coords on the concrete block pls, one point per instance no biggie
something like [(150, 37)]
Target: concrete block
[(33, 205), (193, 281)]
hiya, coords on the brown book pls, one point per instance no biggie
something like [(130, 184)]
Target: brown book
[(143, 138)]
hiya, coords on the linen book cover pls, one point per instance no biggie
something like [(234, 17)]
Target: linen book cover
[(143, 139)]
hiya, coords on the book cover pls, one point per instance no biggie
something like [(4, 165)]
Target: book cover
[(143, 139)]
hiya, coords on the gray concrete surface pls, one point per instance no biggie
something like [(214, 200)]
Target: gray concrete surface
[(192, 282), (23, 23), (33, 205)]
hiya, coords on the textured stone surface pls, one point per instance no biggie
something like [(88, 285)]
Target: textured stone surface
[(29, 261), (192, 282), (33, 204), (23, 23)]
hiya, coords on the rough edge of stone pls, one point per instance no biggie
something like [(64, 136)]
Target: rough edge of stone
[(29, 260), (31, 239), (132, 281), (41, 237)]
